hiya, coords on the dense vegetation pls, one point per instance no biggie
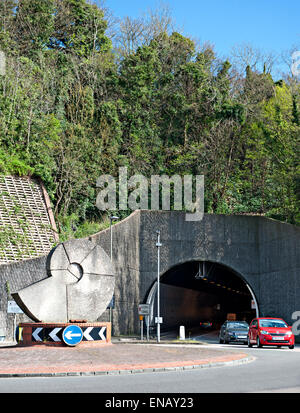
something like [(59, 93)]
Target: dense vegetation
[(81, 98)]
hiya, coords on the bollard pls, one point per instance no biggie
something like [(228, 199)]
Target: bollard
[(181, 333)]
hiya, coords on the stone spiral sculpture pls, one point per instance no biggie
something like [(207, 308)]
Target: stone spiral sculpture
[(80, 285)]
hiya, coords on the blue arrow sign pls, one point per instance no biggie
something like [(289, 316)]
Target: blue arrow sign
[(72, 335)]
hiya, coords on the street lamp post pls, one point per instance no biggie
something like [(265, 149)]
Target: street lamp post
[(158, 245), (111, 219)]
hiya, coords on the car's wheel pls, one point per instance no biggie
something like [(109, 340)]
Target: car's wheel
[(292, 346), (249, 344), (221, 341), (259, 345), (226, 341)]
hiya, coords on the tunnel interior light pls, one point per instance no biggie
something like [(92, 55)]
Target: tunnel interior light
[(225, 287)]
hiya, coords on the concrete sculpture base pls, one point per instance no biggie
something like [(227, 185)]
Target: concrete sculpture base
[(52, 334)]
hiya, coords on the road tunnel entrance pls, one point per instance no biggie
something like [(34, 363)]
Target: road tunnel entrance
[(202, 292)]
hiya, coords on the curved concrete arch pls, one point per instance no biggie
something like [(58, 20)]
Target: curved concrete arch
[(234, 271), (151, 295)]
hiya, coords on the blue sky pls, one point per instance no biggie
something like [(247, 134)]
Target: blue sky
[(270, 25)]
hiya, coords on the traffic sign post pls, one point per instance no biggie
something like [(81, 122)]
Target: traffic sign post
[(72, 335), (148, 326), (142, 327), (144, 310), (13, 308)]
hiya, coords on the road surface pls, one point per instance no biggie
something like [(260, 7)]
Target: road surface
[(273, 370)]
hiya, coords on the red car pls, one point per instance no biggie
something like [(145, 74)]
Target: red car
[(269, 331)]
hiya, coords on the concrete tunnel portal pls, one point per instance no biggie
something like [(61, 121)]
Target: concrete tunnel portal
[(201, 291), (238, 250)]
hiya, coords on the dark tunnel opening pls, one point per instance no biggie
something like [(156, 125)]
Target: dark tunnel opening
[(197, 292)]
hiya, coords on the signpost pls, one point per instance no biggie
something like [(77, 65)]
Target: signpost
[(144, 310), (13, 308), (142, 327), (72, 335)]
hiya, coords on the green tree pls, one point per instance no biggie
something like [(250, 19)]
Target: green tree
[(79, 28), (34, 25)]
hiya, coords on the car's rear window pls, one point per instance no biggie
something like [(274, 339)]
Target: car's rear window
[(240, 324), (272, 323)]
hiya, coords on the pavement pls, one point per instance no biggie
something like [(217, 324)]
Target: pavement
[(122, 356)]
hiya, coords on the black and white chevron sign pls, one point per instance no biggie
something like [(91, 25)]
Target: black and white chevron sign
[(47, 334), (94, 334), (41, 334)]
